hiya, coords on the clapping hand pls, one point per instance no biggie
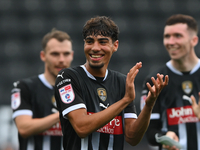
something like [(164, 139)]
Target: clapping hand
[(195, 106), (155, 90)]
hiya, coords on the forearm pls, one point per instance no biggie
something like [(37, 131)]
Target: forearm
[(135, 130), (28, 126), (85, 124), (42, 124)]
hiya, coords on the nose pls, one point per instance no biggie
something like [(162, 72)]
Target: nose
[(96, 46), (170, 40), (61, 57)]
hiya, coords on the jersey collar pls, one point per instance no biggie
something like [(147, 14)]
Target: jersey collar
[(44, 81), (91, 76), (170, 66)]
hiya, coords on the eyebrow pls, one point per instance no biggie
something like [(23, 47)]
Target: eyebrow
[(89, 38), (103, 39)]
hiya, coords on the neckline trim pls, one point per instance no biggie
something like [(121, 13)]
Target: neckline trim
[(44, 81), (171, 67), (91, 76)]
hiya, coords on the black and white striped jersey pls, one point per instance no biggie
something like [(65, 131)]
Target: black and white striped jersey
[(173, 111), (34, 96), (76, 88)]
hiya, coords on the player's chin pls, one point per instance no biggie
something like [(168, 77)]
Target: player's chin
[(96, 65), (56, 72)]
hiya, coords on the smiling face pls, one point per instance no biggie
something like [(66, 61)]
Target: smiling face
[(178, 41), (98, 51), (56, 56)]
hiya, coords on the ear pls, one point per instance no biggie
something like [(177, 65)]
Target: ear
[(42, 55), (195, 40), (115, 44)]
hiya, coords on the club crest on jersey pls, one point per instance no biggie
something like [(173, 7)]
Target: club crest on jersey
[(102, 94), (67, 94), (187, 86)]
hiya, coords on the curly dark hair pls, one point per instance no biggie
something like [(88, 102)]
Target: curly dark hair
[(101, 25)]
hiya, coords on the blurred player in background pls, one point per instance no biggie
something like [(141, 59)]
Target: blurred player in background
[(172, 114), (33, 102)]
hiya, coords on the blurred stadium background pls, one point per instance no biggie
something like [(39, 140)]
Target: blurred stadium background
[(23, 23)]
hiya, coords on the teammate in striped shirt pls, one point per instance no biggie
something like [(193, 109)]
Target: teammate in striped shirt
[(172, 114), (33, 102), (95, 103)]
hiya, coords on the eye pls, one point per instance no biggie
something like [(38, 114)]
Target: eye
[(55, 54), (178, 35), (166, 36), (67, 53), (103, 41), (89, 41)]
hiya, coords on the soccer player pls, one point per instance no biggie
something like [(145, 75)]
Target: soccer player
[(95, 103), (33, 102), (172, 114)]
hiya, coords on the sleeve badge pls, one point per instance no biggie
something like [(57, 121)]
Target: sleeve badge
[(15, 100), (67, 94)]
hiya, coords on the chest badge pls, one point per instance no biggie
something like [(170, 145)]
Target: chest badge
[(102, 94), (187, 86)]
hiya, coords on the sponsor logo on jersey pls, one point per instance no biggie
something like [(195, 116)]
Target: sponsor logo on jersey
[(102, 94), (54, 130), (142, 101), (63, 81), (15, 100), (187, 98), (113, 127), (60, 75), (67, 94), (180, 115), (187, 86), (103, 106)]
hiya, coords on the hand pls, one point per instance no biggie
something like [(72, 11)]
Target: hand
[(155, 90), (130, 87), (195, 106), (172, 135)]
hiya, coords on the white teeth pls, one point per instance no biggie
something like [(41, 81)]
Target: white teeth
[(173, 49), (95, 56)]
